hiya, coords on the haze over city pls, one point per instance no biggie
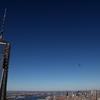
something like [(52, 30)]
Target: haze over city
[(55, 44)]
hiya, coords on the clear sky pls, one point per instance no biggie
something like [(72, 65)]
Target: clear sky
[(55, 44)]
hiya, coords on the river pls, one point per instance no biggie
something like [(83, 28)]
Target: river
[(31, 98)]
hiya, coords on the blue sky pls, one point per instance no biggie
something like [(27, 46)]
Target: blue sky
[(55, 44)]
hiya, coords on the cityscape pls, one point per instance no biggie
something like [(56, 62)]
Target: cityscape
[(55, 95)]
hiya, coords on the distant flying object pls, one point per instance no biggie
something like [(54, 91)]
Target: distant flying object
[(79, 65)]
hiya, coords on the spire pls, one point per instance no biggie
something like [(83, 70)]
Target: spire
[(2, 25)]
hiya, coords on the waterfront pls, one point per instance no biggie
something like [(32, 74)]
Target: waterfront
[(29, 98)]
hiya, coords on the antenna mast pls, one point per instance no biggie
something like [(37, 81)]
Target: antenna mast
[(3, 23)]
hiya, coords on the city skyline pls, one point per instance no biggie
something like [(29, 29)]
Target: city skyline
[(55, 44)]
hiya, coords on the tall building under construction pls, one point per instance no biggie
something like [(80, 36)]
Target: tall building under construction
[(4, 60)]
